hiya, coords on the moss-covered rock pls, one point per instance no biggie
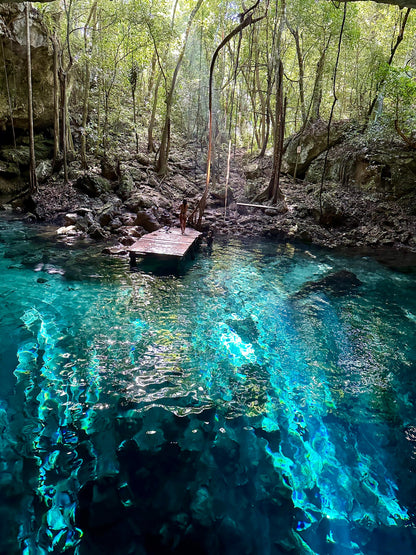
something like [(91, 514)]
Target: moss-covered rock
[(92, 185), (14, 42)]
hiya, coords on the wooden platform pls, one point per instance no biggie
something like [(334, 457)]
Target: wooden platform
[(168, 243)]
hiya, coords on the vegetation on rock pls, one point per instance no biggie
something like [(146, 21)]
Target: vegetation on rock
[(121, 87)]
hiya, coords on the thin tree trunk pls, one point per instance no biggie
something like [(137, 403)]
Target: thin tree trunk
[(136, 136), (334, 91), (150, 141), (162, 161), (246, 21), (317, 88), (63, 110), (299, 53), (32, 167), (392, 53), (63, 73), (274, 193), (56, 123), (86, 96), (270, 79)]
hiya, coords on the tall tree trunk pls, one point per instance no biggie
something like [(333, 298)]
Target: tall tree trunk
[(316, 99), (151, 80), (133, 75), (335, 99), (150, 141), (9, 100), (378, 97), (162, 161), (63, 118), (87, 77), (32, 166), (299, 54), (271, 68), (274, 193), (63, 72), (56, 122)]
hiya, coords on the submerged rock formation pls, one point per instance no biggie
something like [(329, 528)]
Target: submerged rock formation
[(192, 484)]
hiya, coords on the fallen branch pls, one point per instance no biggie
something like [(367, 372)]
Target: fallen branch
[(406, 139)]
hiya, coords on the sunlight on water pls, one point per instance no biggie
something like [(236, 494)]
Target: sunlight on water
[(253, 331)]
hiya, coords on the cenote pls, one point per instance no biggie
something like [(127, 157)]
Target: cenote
[(262, 401)]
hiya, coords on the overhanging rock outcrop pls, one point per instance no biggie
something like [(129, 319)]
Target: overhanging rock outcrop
[(304, 147), (13, 37)]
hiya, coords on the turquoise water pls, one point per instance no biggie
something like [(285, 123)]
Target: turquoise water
[(240, 398)]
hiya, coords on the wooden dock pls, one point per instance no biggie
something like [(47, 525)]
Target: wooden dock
[(166, 243)]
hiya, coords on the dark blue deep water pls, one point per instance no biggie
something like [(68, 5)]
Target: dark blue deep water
[(260, 401)]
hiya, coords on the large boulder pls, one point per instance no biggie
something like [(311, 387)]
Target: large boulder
[(92, 185), (147, 220), (304, 147)]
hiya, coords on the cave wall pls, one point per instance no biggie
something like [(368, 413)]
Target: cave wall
[(13, 36)]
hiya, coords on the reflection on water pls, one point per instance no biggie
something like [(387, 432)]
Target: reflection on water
[(250, 371)]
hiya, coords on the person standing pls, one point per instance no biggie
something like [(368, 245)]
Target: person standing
[(183, 215)]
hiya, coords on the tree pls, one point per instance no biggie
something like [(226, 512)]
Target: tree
[(247, 19), (162, 160), (89, 28), (32, 165)]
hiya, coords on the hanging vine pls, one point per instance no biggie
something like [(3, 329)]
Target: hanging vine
[(247, 19)]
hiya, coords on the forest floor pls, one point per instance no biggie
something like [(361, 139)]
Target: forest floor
[(121, 207)]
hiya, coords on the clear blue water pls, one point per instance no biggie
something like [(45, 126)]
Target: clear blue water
[(235, 384)]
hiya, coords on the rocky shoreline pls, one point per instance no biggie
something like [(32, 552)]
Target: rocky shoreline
[(117, 207)]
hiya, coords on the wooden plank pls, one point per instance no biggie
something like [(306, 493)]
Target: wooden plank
[(257, 205), (166, 242)]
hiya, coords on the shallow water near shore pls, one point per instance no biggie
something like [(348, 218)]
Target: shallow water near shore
[(262, 400)]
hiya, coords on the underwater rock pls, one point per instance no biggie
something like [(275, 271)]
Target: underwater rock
[(201, 507), (246, 328), (200, 483), (273, 438), (115, 250), (336, 283), (99, 503), (226, 453)]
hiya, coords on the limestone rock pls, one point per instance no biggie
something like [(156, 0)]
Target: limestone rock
[(97, 232), (13, 32), (147, 220), (383, 168), (253, 170), (44, 170), (92, 185), (304, 147)]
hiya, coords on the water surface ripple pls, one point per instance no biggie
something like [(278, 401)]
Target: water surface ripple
[(250, 357)]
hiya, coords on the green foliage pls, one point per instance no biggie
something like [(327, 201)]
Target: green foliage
[(131, 42)]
